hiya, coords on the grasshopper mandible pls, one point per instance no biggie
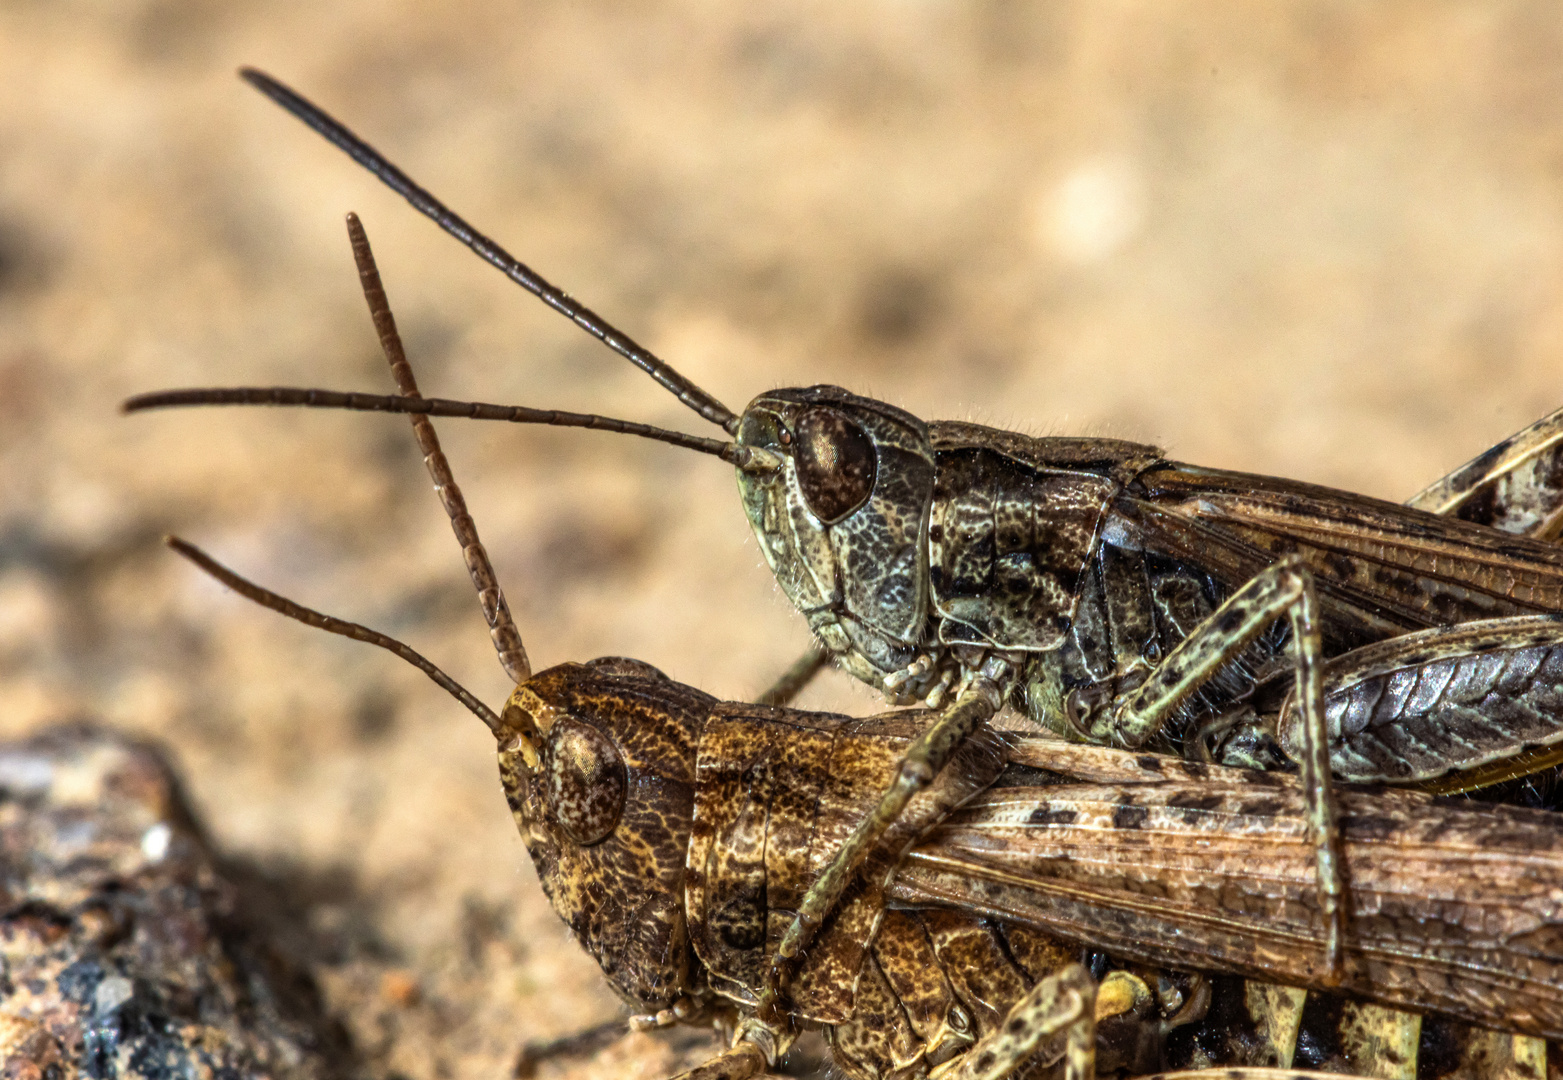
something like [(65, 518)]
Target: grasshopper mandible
[(674, 833), (1110, 594)]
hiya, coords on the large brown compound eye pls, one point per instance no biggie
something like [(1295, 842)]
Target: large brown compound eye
[(583, 781), (836, 463)]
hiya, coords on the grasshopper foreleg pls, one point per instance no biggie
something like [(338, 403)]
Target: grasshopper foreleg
[(738, 1062), (1285, 589), (756, 1047), (584, 1042), (924, 758), (1066, 1001), (796, 677)]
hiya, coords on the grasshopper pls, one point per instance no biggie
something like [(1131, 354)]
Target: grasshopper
[(675, 833), (1111, 595)]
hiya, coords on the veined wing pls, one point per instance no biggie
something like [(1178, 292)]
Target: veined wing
[(1453, 909), (1380, 568)]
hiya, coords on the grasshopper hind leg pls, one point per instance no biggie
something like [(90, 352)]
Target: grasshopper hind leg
[(1284, 590), (1513, 486), (1450, 709)]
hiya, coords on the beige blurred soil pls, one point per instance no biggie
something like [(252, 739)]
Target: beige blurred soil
[(1322, 240)]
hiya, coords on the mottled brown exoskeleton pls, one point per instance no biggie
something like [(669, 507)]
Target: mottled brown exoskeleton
[(676, 834), (1110, 594)]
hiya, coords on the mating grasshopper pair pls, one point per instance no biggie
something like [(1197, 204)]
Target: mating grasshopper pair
[(1095, 584), (1108, 593), (676, 834)]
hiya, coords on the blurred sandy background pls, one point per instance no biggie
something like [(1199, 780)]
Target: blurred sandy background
[(1322, 240)]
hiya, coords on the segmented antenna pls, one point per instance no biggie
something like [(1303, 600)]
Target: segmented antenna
[(501, 627), (732, 453), (423, 201), (310, 617)]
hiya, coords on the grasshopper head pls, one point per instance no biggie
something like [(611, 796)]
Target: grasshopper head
[(843, 519), (597, 760), (598, 765)]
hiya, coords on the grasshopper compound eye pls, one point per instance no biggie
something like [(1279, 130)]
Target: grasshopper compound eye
[(836, 464), (583, 781)]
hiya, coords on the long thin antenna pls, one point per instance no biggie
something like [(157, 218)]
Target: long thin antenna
[(306, 397), (501, 627), (310, 617), (423, 201)]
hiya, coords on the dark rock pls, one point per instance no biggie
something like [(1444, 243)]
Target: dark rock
[(123, 951)]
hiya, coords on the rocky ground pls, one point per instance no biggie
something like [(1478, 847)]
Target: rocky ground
[(1310, 238), (129, 950)]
